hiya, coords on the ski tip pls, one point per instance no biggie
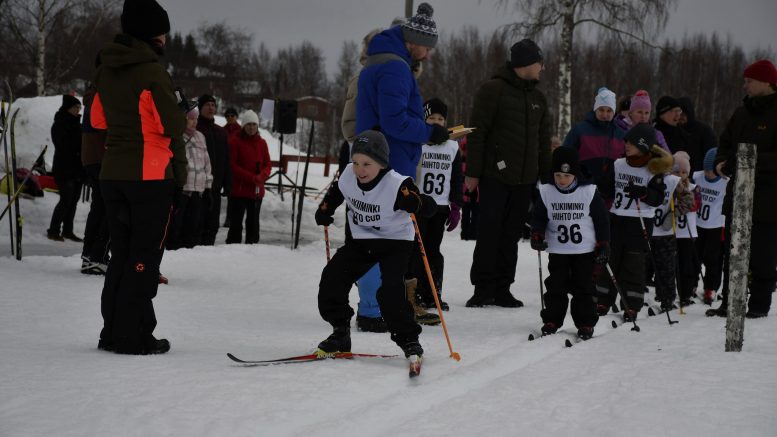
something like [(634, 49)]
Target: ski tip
[(614, 324), (415, 365), (651, 313), (567, 343), (531, 337)]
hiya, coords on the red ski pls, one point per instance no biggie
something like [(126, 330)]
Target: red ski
[(306, 358)]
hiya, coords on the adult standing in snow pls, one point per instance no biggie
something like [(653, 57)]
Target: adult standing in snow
[(250, 162), (700, 135), (667, 122), (144, 162), (232, 127), (218, 151), (388, 94), (68, 172), (506, 154), (755, 122)]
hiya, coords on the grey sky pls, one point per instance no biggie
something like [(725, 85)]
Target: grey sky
[(328, 23)]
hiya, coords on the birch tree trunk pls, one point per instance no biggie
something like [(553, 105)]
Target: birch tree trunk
[(40, 50), (741, 227), (565, 69)]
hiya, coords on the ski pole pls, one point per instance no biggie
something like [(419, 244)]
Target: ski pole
[(542, 291), (454, 355), (623, 296), (326, 240), (652, 258), (19, 189)]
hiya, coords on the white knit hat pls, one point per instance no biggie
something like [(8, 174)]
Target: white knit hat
[(604, 97), (249, 117)]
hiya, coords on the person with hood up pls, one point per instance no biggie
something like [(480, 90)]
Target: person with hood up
[(701, 137)]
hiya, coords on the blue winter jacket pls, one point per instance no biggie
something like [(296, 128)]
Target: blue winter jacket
[(388, 97)]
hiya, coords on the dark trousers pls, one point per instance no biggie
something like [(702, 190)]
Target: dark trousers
[(240, 207), (432, 231), (628, 265), (688, 267), (65, 211), (186, 223), (763, 266), (503, 211), (210, 217), (469, 219), (665, 255), (709, 246), (570, 274), (138, 218), (350, 263), (96, 236)]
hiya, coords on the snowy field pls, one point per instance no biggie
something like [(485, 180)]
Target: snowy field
[(259, 302)]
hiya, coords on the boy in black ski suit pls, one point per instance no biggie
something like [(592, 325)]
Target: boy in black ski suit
[(380, 201), (572, 215)]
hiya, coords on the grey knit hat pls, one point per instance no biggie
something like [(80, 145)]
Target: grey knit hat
[(420, 28), (373, 144)]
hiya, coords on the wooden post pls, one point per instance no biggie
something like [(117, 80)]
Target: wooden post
[(408, 8), (741, 227)]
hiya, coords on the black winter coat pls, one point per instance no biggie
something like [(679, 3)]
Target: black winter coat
[(700, 136), (218, 152), (66, 136)]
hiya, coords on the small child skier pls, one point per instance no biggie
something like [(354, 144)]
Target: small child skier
[(570, 221), (635, 189), (440, 177), (379, 202), (686, 205), (709, 223)]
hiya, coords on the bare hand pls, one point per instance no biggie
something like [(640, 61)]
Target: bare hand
[(471, 183)]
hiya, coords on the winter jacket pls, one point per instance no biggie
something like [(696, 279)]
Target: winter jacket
[(754, 122), (198, 177), (388, 97), (136, 104), (66, 136), (248, 157), (348, 122), (598, 143), (92, 140), (232, 128), (511, 141), (700, 136), (676, 137), (218, 150), (625, 123)]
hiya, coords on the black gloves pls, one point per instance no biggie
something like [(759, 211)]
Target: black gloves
[(635, 191), (439, 134), (410, 202), (601, 252), (538, 241), (323, 215)]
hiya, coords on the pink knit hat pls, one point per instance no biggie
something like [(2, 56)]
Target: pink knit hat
[(640, 100), (193, 114)]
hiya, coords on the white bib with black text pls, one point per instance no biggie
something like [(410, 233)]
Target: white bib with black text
[(436, 167), (570, 226), (662, 218), (371, 213), (710, 215), (624, 205)]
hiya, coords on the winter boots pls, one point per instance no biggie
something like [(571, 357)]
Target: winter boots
[(585, 332), (549, 328), (338, 341), (151, 346), (412, 348), (371, 324), (709, 297), (721, 311), (602, 309), (629, 315), (421, 315)]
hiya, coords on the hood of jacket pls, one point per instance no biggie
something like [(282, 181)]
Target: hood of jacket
[(507, 74), (687, 106), (126, 50), (390, 41)]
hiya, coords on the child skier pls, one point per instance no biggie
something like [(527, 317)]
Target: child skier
[(686, 205), (441, 178), (379, 200), (635, 189), (570, 221), (709, 223)]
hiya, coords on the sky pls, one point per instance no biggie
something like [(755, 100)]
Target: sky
[(328, 23)]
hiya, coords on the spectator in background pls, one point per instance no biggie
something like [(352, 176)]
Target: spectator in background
[(232, 127), (700, 136), (250, 162), (640, 108), (67, 169), (94, 255), (667, 122), (186, 226), (218, 152)]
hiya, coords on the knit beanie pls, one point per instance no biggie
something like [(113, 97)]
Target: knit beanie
[(604, 97), (373, 144), (435, 106), (763, 71), (642, 135), (69, 101), (249, 117), (230, 111), (665, 104), (709, 159), (205, 98), (144, 19), (565, 160), (641, 100), (682, 162), (524, 53), (420, 29), (193, 114)]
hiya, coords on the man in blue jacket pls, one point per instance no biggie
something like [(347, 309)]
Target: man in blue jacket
[(388, 95)]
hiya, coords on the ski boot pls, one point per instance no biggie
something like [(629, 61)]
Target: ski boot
[(629, 315), (421, 315), (755, 315), (415, 356), (667, 305), (721, 311), (585, 332), (338, 341), (371, 324), (549, 328), (602, 309), (709, 297)]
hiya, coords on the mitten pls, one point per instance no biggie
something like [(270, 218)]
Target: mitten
[(635, 191), (439, 134), (454, 217), (538, 241), (323, 216)]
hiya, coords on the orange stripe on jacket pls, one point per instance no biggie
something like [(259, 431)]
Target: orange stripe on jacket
[(156, 146), (97, 114)]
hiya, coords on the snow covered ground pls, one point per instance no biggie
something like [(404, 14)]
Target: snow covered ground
[(259, 302)]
